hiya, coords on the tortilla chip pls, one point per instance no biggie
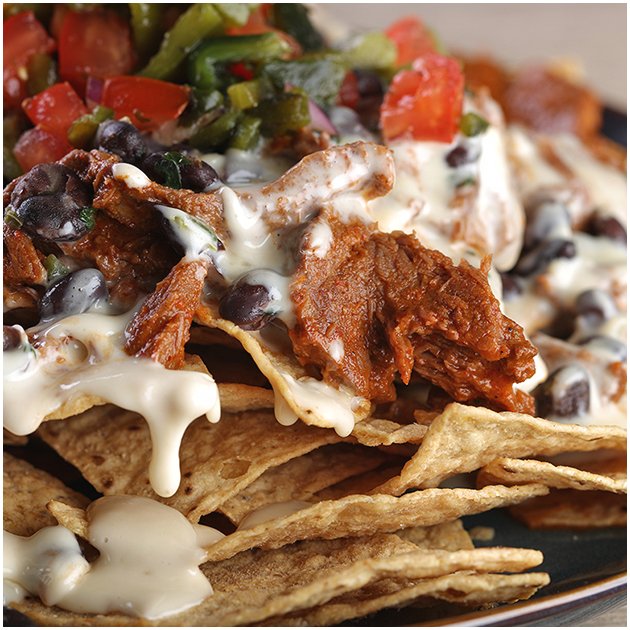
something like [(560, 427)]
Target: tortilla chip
[(27, 490), (284, 371), (509, 472), (359, 515), (302, 477), (461, 587), (464, 438), (450, 536), (376, 432), (482, 533), (360, 484), (111, 447), (10, 439), (573, 509), (236, 397), (254, 586), (72, 518)]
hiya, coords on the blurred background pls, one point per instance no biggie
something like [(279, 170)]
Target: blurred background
[(593, 36)]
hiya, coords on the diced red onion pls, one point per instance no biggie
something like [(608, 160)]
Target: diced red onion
[(319, 119), (94, 91)]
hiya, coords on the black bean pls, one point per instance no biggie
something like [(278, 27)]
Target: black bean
[(608, 227), (122, 139), (546, 220), (11, 338), (55, 217), (606, 345), (245, 305), (48, 179), (565, 393), (198, 176), (539, 258), (462, 154), (511, 286), (368, 83), (75, 293), (596, 305)]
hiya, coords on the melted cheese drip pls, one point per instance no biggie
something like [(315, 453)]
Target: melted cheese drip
[(169, 400), (131, 175), (148, 563)]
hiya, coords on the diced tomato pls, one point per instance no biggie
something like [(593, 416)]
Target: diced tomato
[(149, 103), (94, 43), (349, 92), (412, 39), (37, 146), (23, 37), (55, 109), (425, 103), (242, 71), (258, 23)]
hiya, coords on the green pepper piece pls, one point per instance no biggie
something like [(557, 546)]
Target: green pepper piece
[(218, 132), (202, 65), (247, 134), (472, 124), (245, 95), (293, 19), (42, 73), (200, 21), (54, 268), (320, 78), (234, 14), (82, 131), (146, 26), (285, 112), (371, 51)]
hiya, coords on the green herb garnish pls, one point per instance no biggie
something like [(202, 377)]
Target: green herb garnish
[(472, 124)]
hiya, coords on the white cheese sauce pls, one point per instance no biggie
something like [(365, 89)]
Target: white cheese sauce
[(131, 175), (83, 355), (148, 565)]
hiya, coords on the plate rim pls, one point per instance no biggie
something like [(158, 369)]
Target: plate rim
[(513, 613)]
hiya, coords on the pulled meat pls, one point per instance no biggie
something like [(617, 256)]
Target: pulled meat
[(161, 328), (378, 304)]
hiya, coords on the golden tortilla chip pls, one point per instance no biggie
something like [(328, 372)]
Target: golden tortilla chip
[(573, 509), (360, 484), (256, 585), (461, 587), (236, 397), (509, 472), (10, 439), (464, 438), (26, 492), (72, 518), (376, 432), (302, 477), (111, 447), (288, 377), (359, 515), (450, 536)]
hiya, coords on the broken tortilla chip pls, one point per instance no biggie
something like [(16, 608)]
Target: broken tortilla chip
[(112, 447), (298, 395), (460, 587), (26, 491), (463, 439), (358, 515), (509, 472), (450, 536), (573, 509), (72, 518), (302, 477)]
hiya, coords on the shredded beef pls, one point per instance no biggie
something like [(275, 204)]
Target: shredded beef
[(399, 307), (161, 328)]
